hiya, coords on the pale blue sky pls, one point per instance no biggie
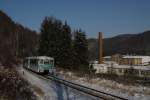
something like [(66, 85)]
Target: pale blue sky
[(112, 17)]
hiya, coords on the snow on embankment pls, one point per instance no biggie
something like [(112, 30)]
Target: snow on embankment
[(51, 90), (41, 87), (127, 91)]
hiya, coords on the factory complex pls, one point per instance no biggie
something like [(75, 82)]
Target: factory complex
[(118, 64)]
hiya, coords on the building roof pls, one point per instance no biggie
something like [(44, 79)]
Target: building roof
[(128, 56), (134, 67), (122, 67), (107, 57), (40, 57)]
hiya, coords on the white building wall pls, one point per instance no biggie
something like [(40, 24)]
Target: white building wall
[(100, 68), (145, 59)]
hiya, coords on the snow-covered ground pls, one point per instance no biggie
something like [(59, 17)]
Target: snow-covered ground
[(127, 91), (50, 90)]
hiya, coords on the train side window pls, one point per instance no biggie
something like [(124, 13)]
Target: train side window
[(33, 61)]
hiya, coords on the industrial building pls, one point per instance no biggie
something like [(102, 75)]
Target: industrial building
[(135, 60), (121, 64), (113, 68), (128, 59)]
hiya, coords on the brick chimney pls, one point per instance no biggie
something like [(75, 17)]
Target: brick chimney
[(100, 46)]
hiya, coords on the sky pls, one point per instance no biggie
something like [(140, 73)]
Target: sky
[(111, 17)]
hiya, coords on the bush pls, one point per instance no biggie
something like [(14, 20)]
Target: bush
[(13, 87)]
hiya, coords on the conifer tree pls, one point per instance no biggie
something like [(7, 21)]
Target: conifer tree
[(80, 50), (56, 41), (66, 46), (50, 38)]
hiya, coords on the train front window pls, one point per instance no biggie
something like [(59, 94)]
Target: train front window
[(51, 62), (41, 61), (46, 62)]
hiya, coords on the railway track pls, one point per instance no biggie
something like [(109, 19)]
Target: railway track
[(86, 90)]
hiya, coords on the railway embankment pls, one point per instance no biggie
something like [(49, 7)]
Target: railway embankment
[(40, 87), (129, 91), (13, 87), (49, 89)]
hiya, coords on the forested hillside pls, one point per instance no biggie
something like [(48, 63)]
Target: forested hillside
[(124, 44), (56, 39), (16, 41)]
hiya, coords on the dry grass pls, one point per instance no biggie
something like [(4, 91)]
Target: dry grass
[(131, 89), (38, 90), (13, 87)]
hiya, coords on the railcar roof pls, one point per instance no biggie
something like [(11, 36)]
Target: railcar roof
[(40, 57)]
